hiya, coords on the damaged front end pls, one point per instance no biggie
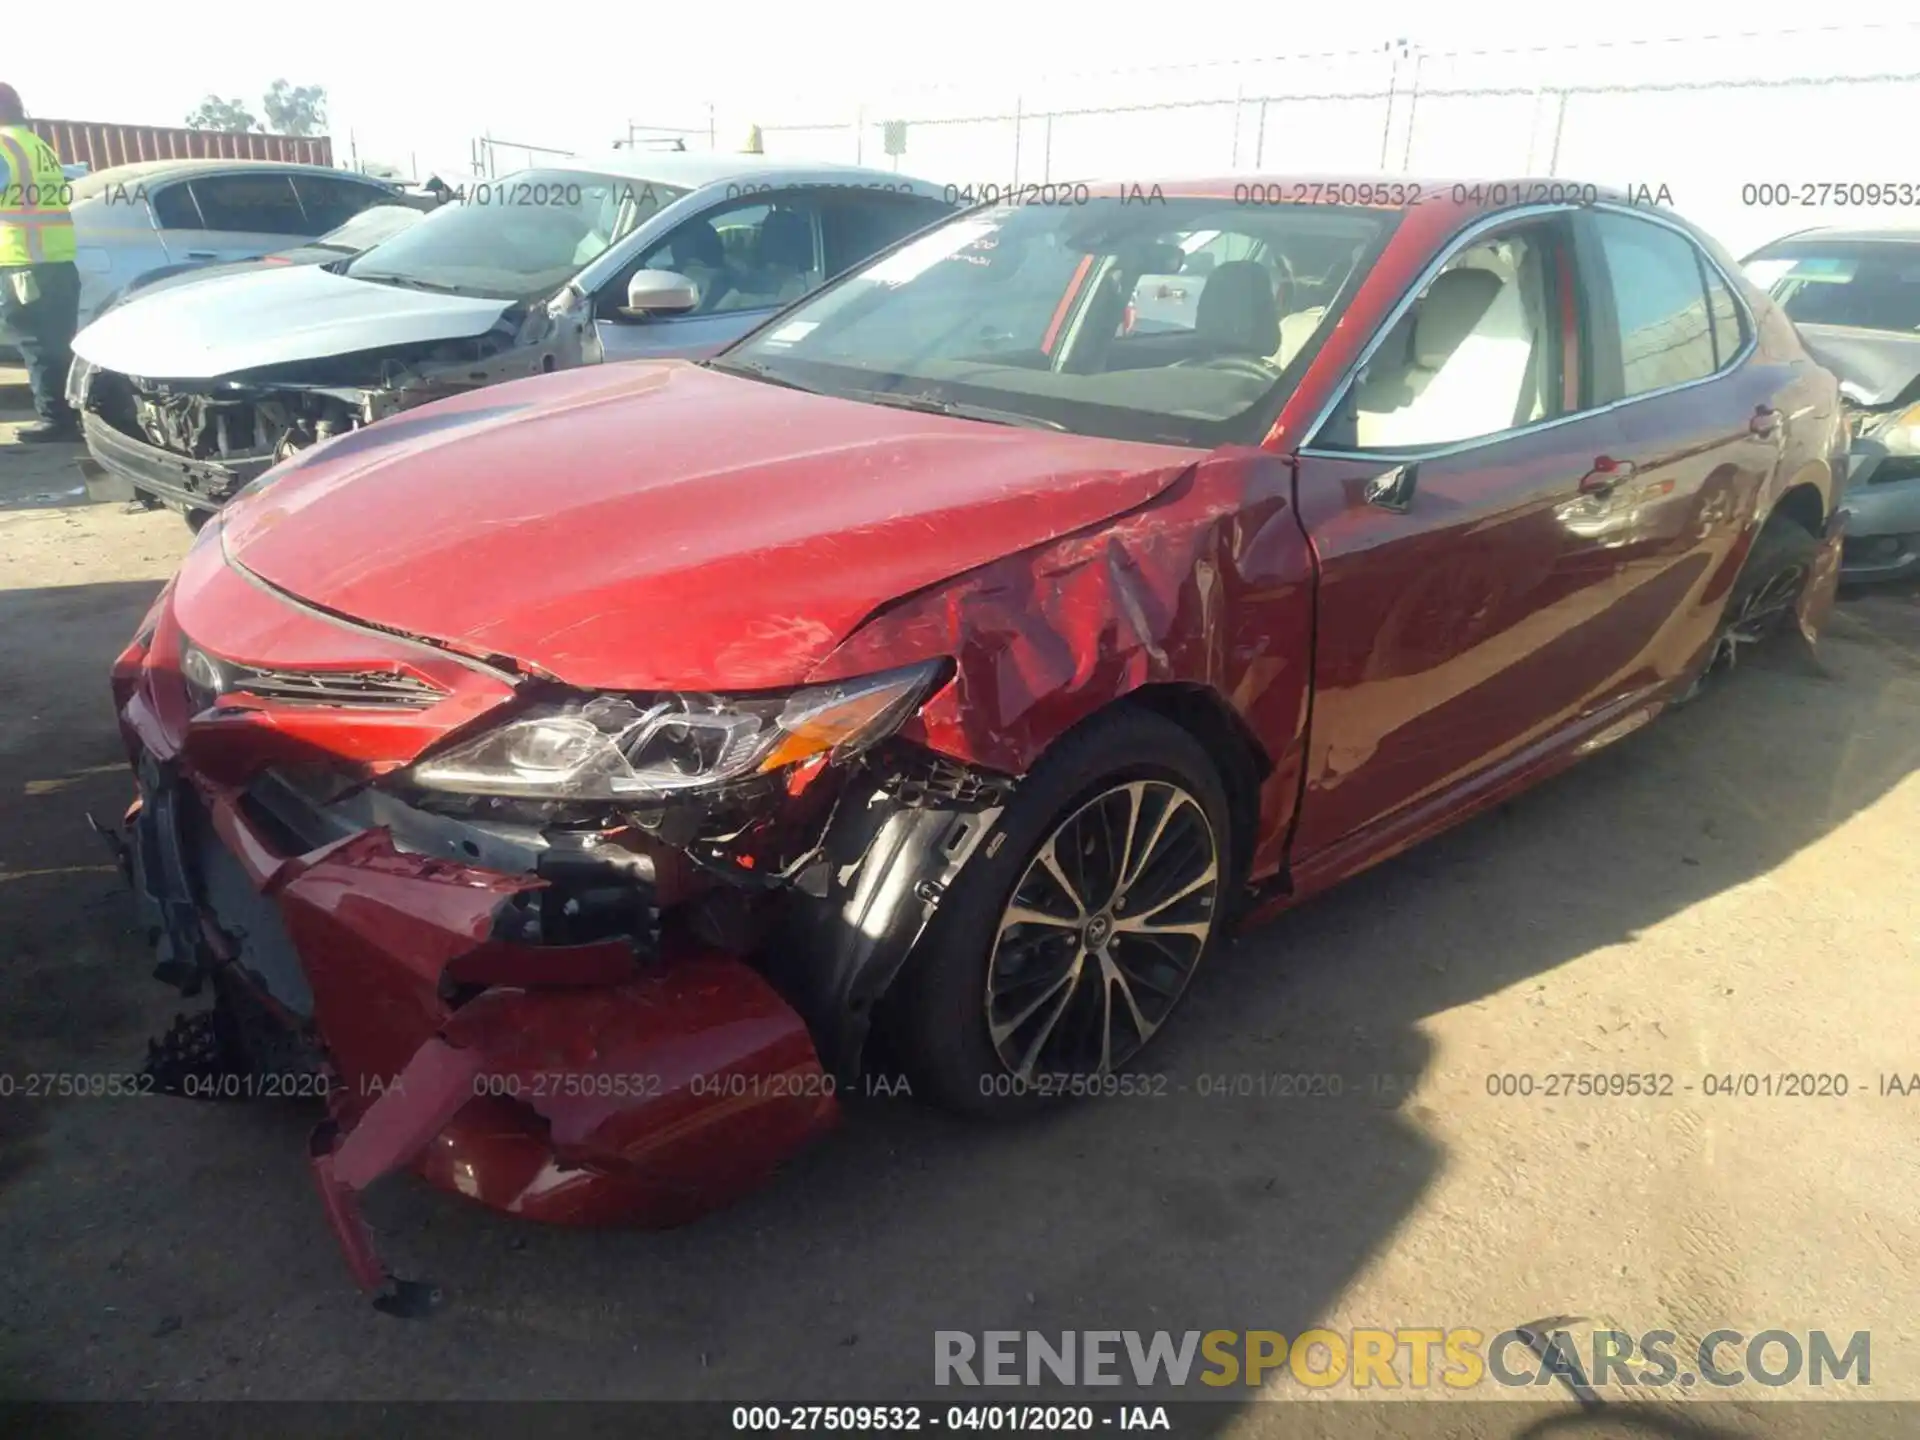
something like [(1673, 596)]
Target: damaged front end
[(1879, 376), (584, 959), (195, 444)]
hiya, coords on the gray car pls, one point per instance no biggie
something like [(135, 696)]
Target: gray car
[(1854, 295), (191, 392)]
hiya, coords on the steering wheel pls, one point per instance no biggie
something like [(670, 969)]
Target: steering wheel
[(1245, 365)]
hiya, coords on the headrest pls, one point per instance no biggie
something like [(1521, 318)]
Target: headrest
[(1236, 309), (699, 241), (1453, 305), (786, 239)]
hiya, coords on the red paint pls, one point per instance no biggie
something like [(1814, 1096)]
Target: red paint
[(704, 495), (1065, 307), (657, 526)]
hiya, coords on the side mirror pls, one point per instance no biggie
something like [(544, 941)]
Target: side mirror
[(1393, 490), (661, 292)]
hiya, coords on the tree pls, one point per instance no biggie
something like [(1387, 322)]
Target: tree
[(217, 114), (295, 109)]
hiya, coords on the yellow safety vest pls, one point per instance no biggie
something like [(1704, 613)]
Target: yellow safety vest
[(35, 225)]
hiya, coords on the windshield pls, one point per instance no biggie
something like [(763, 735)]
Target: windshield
[(516, 238), (370, 227), (1867, 284), (1175, 320)]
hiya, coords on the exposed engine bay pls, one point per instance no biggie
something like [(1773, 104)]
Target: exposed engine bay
[(213, 437)]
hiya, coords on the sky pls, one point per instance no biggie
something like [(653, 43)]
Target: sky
[(417, 89)]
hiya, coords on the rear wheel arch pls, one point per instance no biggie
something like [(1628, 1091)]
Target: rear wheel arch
[(1802, 503)]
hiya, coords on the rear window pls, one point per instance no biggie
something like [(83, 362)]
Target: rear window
[(1865, 284)]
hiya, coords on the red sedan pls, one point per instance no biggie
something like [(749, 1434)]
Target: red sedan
[(570, 779)]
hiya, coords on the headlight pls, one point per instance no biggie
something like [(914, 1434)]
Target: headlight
[(204, 676), (1898, 433), (619, 748)]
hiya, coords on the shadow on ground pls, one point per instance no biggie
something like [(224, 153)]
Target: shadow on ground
[(167, 1250)]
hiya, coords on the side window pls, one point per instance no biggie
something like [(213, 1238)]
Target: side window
[(330, 203), (1479, 352), (860, 223), (1220, 250), (173, 208), (260, 204), (1729, 333), (752, 254), (1666, 337)]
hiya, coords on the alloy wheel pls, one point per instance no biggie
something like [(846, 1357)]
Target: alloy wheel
[(1759, 615), (1103, 931)]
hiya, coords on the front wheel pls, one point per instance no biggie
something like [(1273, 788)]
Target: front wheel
[(1062, 950)]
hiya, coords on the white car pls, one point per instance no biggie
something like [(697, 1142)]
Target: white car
[(130, 219), (190, 392)]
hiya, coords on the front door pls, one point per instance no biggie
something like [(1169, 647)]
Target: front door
[(747, 258), (240, 216), (1467, 616)]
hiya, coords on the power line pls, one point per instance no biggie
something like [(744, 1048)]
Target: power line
[(1435, 93)]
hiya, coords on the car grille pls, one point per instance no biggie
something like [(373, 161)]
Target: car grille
[(363, 689)]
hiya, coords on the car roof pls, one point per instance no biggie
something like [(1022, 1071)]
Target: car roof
[(1892, 234), (146, 172), (693, 169), (1362, 190)]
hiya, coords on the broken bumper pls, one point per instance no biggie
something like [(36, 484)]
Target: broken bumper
[(575, 1084), (200, 484)]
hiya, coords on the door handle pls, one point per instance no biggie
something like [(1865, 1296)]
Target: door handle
[(1765, 421), (202, 255), (1606, 474)]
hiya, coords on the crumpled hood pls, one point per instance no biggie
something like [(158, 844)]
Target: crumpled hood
[(654, 525), (225, 324), (1875, 367)]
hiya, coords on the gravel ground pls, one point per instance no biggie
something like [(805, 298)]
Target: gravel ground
[(1731, 890)]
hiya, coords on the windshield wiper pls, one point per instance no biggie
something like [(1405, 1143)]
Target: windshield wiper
[(754, 370), (410, 282), (955, 409)]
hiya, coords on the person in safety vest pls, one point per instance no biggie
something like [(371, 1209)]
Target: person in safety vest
[(39, 284)]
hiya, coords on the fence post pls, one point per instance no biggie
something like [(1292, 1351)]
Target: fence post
[(1046, 152), (860, 136), (1559, 121), (1018, 124), (1386, 128), (1413, 106), (1239, 95), (1260, 135)]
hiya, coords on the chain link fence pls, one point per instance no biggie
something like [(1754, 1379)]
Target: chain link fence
[(1705, 119)]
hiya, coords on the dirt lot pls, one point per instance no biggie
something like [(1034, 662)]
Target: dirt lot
[(1732, 890)]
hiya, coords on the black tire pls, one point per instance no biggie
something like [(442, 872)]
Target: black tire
[(1762, 600), (936, 1016)]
